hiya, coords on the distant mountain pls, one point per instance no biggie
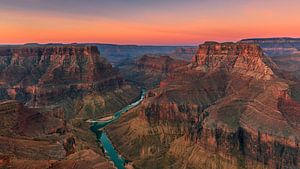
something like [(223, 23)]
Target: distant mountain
[(148, 71), (117, 54), (277, 46)]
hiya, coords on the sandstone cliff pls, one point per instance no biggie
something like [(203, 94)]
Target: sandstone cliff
[(47, 93), (31, 138), (35, 75), (227, 109), (245, 59)]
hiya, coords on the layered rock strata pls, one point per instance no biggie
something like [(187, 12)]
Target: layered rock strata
[(227, 109)]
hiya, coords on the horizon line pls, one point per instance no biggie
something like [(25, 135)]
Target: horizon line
[(143, 44)]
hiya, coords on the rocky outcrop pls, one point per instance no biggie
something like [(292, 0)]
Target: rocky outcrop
[(245, 59), (30, 122), (46, 94), (38, 74), (222, 108), (44, 138), (19, 125)]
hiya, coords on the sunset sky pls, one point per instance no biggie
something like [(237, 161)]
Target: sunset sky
[(156, 22)]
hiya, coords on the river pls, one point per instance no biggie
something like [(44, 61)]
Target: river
[(108, 147)]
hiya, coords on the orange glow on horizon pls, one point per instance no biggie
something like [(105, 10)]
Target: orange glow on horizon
[(28, 27)]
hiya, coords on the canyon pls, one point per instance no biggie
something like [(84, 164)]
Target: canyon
[(149, 70), (47, 94), (218, 105), (117, 54), (218, 111), (29, 74)]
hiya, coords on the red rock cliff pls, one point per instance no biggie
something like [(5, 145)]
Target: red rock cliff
[(27, 72), (245, 59), (228, 109)]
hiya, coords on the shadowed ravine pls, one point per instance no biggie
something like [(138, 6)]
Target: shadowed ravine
[(109, 149)]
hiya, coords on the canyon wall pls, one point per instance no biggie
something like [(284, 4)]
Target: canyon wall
[(217, 112), (47, 92), (36, 75)]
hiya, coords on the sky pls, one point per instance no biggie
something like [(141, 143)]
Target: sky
[(150, 22)]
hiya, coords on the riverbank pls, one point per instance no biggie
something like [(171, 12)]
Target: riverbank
[(106, 144), (101, 120)]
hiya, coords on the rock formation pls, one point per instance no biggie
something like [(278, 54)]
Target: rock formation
[(31, 138), (46, 94), (245, 59), (227, 109), (41, 73), (148, 70)]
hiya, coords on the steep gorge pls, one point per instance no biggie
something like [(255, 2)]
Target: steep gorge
[(217, 112), (47, 94)]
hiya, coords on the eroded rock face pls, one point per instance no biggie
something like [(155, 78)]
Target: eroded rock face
[(46, 94), (39, 138), (19, 125), (16, 118), (41, 73), (228, 107), (245, 59)]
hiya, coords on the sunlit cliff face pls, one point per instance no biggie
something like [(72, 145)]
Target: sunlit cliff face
[(145, 22)]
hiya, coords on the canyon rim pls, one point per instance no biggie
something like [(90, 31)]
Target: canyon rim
[(149, 84)]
